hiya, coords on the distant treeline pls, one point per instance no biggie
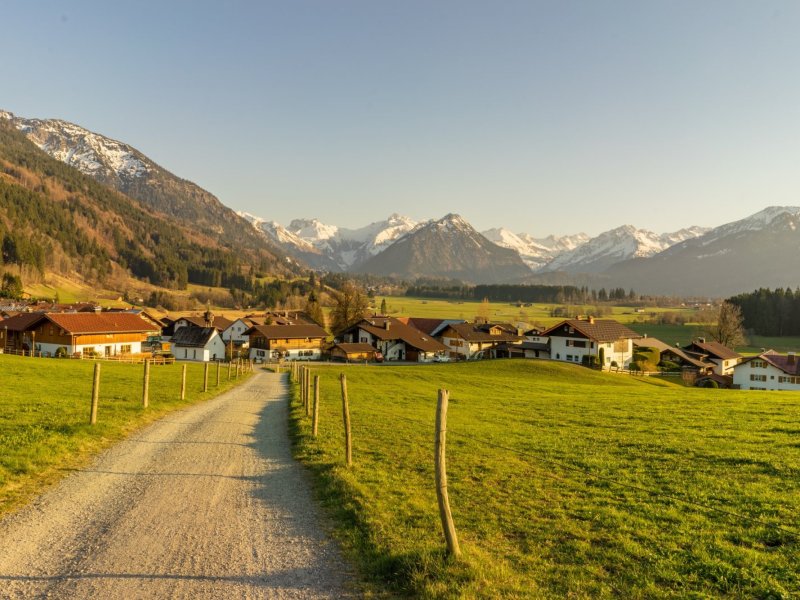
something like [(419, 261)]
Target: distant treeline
[(770, 312), (553, 294)]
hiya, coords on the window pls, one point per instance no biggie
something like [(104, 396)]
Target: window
[(125, 348), (758, 364), (758, 377), (576, 343)]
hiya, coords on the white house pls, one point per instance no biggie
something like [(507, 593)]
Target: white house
[(609, 341), (768, 371), (201, 344), (478, 340), (235, 332), (394, 339), (721, 356)]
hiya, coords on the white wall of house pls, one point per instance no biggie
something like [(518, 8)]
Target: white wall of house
[(110, 349), (760, 375), (310, 353), (214, 350), (724, 367), (235, 332), (573, 349)]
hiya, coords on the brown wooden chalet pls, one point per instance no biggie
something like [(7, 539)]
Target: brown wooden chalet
[(479, 340), (677, 355), (394, 339), (104, 334), (292, 342), (354, 352), (723, 358)]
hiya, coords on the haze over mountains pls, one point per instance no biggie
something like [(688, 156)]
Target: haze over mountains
[(757, 251)]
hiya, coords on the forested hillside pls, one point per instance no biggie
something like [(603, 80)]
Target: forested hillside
[(52, 217)]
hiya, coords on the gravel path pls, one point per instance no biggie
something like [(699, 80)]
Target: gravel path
[(205, 503)]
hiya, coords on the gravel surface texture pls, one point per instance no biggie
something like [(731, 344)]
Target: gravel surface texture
[(205, 503)]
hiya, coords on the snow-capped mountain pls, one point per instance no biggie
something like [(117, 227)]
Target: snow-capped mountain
[(334, 248), (129, 171), (92, 154), (447, 248), (616, 245), (535, 252), (758, 251)]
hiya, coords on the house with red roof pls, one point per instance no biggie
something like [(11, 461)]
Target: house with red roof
[(91, 333), (768, 371), (394, 339)]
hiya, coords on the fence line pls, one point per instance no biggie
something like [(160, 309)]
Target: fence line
[(661, 494)]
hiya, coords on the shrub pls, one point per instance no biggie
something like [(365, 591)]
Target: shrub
[(668, 365), (648, 358), (61, 352)]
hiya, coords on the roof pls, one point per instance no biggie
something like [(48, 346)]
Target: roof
[(789, 364), (22, 321), (473, 332), (355, 348), (193, 337), (273, 332), (219, 323), (397, 330), (714, 349), (101, 322), (78, 323), (600, 330), (692, 358)]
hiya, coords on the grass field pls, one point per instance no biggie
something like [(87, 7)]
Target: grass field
[(564, 482), (44, 414)]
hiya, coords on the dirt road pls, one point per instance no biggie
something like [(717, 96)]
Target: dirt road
[(206, 503)]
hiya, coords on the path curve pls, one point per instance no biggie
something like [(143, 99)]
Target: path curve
[(205, 503)]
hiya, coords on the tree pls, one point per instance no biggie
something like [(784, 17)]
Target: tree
[(483, 311), (384, 309), (11, 287), (350, 305), (728, 329), (314, 309)]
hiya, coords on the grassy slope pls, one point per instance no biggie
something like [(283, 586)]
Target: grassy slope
[(44, 413), (542, 520)]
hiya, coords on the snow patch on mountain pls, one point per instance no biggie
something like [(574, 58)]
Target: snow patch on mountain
[(89, 152), (535, 252)]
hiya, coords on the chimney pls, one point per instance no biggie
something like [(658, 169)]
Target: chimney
[(701, 340), (386, 324), (590, 318), (791, 357)]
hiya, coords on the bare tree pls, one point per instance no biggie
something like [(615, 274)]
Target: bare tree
[(350, 305), (484, 311), (728, 327)]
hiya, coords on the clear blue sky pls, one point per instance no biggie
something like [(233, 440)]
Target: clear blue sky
[(543, 117)]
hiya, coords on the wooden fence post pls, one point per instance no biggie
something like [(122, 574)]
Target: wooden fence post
[(315, 417), (95, 394), (229, 369), (146, 385), (183, 382), (205, 377), (308, 392), (348, 440), (441, 475)]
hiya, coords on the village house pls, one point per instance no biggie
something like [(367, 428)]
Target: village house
[(290, 342), (478, 340), (394, 339), (208, 319), (722, 357), (201, 344), (677, 355), (87, 334), (355, 353), (607, 340), (768, 371)]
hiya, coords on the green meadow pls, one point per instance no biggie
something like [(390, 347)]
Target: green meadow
[(44, 414), (563, 482)]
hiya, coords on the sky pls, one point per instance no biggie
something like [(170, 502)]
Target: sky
[(542, 117)]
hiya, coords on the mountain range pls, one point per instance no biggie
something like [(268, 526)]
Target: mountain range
[(169, 231)]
